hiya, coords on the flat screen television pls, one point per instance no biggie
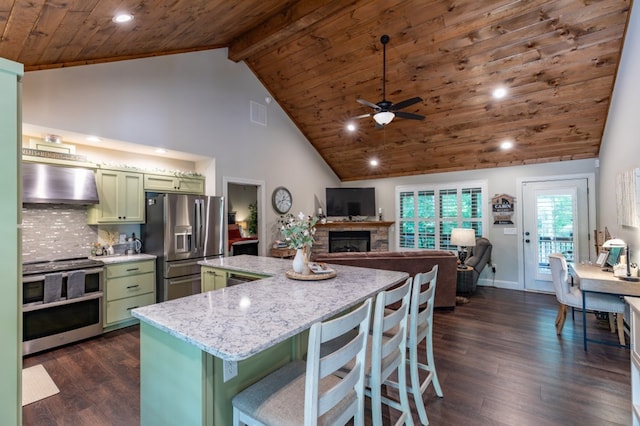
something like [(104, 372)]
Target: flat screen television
[(351, 201)]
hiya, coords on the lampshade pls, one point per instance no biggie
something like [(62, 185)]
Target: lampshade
[(463, 237), (383, 117), (615, 242)]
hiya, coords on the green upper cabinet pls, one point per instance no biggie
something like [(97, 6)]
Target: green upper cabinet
[(168, 183), (121, 198)]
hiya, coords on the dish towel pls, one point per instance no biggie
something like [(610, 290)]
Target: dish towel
[(75, 284), (52, 287)]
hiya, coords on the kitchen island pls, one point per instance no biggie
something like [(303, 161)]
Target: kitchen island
[(197, 352)]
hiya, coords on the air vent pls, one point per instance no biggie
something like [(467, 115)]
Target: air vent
[(258, 113)]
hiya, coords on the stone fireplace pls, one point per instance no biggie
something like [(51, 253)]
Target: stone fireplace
[(378, 235)]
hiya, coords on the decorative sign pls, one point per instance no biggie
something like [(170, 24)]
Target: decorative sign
[(53, 155), (502, 208)]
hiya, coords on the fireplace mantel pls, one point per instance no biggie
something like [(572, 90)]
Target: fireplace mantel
[(379, 234), (354, 224)]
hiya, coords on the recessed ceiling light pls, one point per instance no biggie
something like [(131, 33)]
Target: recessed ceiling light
[(94, 139), (161, 151), (506, 145), (499, 93), (121, 18), (373, 162), (351, 127)]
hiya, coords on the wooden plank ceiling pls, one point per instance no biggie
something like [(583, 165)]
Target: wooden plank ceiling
[(557, 58)]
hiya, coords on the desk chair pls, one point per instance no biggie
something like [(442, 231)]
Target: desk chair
[(297, 395), (569, 296)]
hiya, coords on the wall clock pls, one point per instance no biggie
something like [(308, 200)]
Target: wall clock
[(281, 200)]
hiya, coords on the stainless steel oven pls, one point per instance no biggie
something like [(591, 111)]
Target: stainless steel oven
[(47, 325)]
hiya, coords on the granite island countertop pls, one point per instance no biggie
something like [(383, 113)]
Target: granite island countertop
[(237, 322)]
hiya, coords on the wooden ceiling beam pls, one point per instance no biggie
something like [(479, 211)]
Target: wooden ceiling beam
[(299, 16)]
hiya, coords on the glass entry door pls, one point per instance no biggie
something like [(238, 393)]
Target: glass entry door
[(556, 220)]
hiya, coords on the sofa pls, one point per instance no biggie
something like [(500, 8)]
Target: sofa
[(411, 262)]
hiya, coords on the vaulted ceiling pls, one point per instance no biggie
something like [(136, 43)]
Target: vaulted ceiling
[(556, 58)]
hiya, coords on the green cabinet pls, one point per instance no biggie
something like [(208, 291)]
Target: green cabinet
[(121, 198), (127, 286), (213, 278), (179, 184), (11, 242), (217, 278)]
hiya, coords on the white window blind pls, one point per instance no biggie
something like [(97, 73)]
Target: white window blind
[(428, 213)]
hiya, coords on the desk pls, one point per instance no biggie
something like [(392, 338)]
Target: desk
[(593, 279), (198, 351)]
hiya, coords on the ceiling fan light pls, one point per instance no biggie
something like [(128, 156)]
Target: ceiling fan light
[(383, 117)]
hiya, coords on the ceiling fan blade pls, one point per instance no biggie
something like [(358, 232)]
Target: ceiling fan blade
[(367, 103), (409, 115), (358, 117), (405, 103)]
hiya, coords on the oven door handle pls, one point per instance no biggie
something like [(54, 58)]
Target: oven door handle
[(37, 306)]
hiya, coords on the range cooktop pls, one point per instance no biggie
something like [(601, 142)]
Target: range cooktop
[(60, 265)]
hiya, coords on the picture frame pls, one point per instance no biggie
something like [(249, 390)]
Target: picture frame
[(602, 258)]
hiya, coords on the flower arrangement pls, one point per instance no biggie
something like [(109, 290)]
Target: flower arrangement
[(298, 231)]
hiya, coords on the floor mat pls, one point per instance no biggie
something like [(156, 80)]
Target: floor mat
[(36, 384)]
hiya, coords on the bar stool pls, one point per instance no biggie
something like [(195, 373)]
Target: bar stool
[(386, 352), (295, 395), (421, 328)]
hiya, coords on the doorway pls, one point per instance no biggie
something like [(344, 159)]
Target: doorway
[(244, 205), (556, 217)]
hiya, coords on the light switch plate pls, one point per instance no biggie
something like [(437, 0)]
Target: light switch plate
[(510, 231)]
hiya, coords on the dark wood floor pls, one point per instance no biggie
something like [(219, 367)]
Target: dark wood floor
[(498, 359)]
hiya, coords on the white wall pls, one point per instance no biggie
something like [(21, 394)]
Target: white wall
[(621, 147), (194, 102)]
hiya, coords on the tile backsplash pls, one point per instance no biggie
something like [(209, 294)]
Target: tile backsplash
[(56, 231)]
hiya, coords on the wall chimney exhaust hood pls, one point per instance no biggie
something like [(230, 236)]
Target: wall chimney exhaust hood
[(44, 183)]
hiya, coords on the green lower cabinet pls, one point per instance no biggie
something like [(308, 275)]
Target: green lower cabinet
[(127, 285), (213, 278), (216, 278), (180, 384)]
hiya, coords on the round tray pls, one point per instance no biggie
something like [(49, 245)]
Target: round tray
[(309, 277)]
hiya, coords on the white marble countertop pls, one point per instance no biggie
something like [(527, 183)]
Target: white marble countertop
[(239, 321), (122, 258)]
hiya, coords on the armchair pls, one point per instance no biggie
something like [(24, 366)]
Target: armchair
[(480, 256)]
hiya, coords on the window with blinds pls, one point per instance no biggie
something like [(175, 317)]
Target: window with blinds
[(427, 214)]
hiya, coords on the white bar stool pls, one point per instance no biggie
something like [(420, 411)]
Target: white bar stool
[(421, 328), (294, 395)]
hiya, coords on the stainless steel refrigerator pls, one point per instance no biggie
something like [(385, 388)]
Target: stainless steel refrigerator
[(182, 230)]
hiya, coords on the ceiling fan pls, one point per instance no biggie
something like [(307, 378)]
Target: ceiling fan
[(385, 111)]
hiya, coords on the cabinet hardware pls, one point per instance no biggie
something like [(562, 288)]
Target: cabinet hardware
[(133, 286), (133, 307), (132, 269)]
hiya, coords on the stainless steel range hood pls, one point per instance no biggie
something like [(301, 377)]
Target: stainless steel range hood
[(44, 183)]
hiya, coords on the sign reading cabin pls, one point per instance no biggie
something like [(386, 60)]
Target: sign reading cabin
[(502, 209)]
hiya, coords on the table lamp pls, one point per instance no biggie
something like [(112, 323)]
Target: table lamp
[(616, 242), (463, 238)]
